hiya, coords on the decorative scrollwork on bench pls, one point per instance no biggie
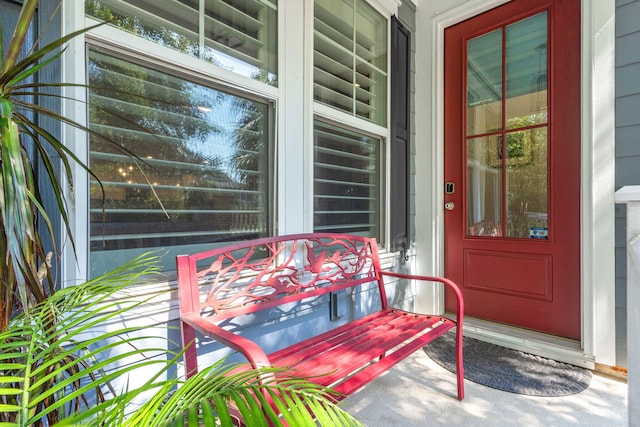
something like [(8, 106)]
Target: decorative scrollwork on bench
[(248, 275)]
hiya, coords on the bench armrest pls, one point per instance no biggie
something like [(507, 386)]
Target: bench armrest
[(252, 351), (448, 283)]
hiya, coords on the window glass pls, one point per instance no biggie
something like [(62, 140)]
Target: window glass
[(507, 136), (239, 35), (350, 58), (347, 180), (203, 173), (484, 84)]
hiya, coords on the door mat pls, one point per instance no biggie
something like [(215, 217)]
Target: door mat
[(510, 370)]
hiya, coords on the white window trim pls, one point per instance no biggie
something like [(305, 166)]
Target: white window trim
[(294, 123), (391, 6), (324, 111), (152, 53), (73, 70)]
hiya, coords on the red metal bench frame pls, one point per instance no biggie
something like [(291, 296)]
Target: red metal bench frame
[(249, 276)]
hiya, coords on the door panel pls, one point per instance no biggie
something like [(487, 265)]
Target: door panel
[(512, 153)]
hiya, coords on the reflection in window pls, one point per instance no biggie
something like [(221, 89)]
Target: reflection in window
[(346, 181), (203, 170), (484, 83), (506, 131), (238, 35), (484, 187), (527, 185)]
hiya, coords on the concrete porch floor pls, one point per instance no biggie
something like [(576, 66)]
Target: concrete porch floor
[(419, 392)]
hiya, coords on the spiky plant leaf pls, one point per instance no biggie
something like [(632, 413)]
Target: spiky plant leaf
[(21, 209)]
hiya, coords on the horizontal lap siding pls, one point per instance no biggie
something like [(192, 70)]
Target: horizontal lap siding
[(627, 143)]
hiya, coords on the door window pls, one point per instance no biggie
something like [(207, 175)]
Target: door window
[(506, 131)]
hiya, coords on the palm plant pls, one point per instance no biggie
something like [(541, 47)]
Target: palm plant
[(67, 372)]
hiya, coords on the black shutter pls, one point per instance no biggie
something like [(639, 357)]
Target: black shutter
[(400, 131)]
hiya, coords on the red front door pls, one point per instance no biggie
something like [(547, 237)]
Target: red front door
[(512, 164)]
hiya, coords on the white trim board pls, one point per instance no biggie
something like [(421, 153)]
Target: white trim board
[(549, 346)]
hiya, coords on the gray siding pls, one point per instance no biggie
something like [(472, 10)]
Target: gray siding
[(627, 144)]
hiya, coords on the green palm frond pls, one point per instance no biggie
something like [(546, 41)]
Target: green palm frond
[(22, 284), (221, 392), (17, 41), (59, 359)]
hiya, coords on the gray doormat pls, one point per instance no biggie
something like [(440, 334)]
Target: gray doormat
[(510, 370)]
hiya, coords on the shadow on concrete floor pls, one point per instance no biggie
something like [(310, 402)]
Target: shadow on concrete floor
[(419, 392)]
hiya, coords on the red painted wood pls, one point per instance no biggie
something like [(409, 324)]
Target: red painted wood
[(558, 312), (256, 275)]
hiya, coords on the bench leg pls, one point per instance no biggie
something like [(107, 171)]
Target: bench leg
[(459, 363), (190, 353)]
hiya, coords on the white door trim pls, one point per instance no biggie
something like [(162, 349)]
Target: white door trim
[(598, 156)]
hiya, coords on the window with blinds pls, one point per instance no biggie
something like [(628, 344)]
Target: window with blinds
[(203, 170), (347, 181), (239, 35), (350, 58)]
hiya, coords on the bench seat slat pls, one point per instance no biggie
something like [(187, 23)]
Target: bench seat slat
[(350, 352), (369, 373), (321, 338), (385, 331)]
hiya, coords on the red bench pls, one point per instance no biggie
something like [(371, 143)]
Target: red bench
[(244, 278)]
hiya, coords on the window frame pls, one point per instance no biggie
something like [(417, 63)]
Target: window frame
[(151, 20), (354, 58), (383, 175), (199, 80), (119, 43)]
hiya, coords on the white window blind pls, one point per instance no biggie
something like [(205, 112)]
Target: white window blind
[(346, 181), (350, 58), (240, 35), (203, 172)]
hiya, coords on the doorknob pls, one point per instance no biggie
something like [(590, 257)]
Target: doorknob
[(449, 206)]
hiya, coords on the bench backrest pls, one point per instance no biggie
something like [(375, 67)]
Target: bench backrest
[(248, 276)]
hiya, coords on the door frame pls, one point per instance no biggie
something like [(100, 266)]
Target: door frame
[(597, 221)]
